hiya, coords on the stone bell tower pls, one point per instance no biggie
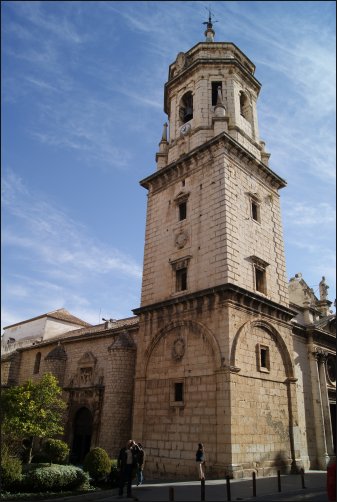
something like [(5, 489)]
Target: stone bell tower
[(214, 360)]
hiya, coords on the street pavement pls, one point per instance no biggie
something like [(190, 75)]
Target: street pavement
[(216, 490)]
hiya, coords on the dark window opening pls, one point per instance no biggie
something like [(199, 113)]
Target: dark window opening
[(245, 107), (179, 391), (181, 279), (215, 86), (186, 108), (260, 280), (255, 211), (182, 211), (37, 363), (243, 104), (264, 358)]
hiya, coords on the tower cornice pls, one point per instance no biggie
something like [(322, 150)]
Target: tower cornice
[(226, 292), (181, 166)]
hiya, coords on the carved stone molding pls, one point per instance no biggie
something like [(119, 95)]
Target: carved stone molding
[(320, 355)]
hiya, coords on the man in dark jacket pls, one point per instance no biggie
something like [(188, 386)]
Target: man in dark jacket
[(126, 462)]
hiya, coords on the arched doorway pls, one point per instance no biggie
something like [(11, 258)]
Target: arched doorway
[(82, 432)]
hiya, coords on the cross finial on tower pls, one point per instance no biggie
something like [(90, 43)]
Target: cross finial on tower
[(209, 32)]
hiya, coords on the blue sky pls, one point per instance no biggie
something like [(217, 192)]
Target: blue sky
[(82, 116)]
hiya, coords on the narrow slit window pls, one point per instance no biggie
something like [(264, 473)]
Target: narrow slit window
[(182, 211), (179, 391), (37, 363)]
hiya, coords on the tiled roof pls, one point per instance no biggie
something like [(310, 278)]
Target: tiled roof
[(61, 314), (93, 330), (64, 315)]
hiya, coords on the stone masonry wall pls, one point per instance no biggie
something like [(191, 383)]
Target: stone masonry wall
[(219, 233)]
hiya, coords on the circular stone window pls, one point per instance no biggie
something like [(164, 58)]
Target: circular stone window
[(331, 369)]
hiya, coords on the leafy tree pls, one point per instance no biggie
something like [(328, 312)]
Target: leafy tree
[(32, 410), (56, 450)]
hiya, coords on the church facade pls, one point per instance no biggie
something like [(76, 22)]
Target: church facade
[(222, 349)]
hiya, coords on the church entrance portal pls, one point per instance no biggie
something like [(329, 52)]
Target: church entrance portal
[(82, 432)]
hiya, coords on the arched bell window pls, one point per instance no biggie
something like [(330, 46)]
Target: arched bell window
[(186, 107), (245, 108)]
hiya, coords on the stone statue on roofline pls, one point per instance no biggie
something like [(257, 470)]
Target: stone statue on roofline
[(323, 290)]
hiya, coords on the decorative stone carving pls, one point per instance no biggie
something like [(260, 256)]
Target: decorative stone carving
[(88, 374), (178, 349), (180, 62), (181, 239)]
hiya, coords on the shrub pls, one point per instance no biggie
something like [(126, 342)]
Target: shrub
[(10, 470), (54, 478), (40, 458), (97, 463), (114, 474), (57, 451)]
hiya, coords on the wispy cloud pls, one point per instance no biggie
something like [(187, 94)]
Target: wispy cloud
[(43, 21), (299, 213), (64, 266), (58, 241)]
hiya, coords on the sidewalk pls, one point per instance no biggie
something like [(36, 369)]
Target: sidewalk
[(216, 490)]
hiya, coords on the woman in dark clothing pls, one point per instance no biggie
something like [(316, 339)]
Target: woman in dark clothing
[(200, 459)]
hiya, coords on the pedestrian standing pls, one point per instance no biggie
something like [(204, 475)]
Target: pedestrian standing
[(201, 460), (126, 463), (140, 463)]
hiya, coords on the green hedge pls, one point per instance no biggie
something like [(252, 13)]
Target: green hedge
[(54, 478)]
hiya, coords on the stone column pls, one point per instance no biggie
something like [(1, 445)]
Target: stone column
[(296, 461), (117, 418), (322, 357), (223, 410), (322, 454)]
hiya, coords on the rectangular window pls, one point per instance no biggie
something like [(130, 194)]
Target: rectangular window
[(215, 86), (255, 207), (181, 279), (260, 280), (263, 358), (182, 211), (179, 391)]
